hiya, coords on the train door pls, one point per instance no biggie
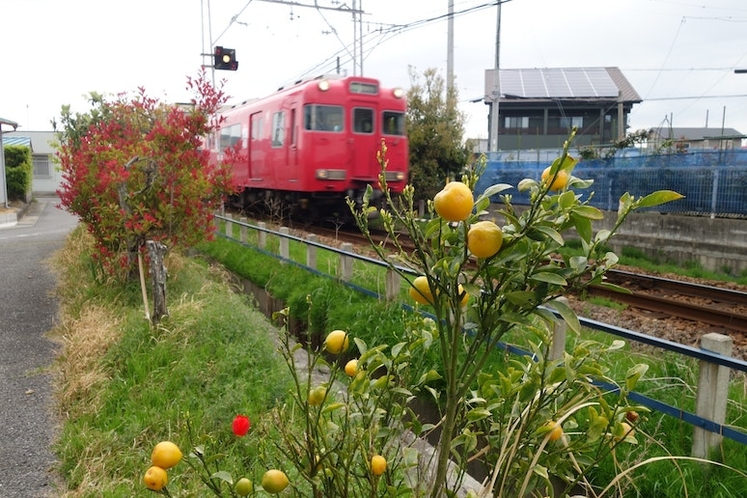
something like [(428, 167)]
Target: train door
[(254, 150), (364, 142)]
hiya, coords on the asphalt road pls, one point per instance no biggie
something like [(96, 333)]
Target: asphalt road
[(28, 310)]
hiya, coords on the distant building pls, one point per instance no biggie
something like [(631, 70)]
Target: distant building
[(47, 178), (538, 107), (682, 139)]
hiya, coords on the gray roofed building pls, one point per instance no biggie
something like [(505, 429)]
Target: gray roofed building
[(539, 106), (683, 138)]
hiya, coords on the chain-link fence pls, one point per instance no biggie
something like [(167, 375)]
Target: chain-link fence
[(714, 183)]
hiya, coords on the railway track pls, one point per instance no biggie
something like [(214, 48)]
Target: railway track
[(718, 307)]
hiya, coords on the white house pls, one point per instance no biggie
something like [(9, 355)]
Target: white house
[(47, 177)]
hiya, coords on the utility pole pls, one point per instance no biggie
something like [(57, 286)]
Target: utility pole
[(450, 48), (495, 94)]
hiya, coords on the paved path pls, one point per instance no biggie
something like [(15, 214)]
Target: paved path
[(27, 311)]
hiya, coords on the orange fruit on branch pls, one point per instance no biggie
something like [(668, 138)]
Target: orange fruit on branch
[(484, 239), (165, 455), (454, 202), (559, 182), (155, 478)]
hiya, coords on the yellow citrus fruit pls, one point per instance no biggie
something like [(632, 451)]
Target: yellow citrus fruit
[(378, 465), (337, 342), (484, 239), (243, 487), (351, 367), (556, 430), (274, 481), (316, 395), (165, 455), (454, 202), (465, 297), (155, 478), (561, 180), (625, 431), (420, 292)]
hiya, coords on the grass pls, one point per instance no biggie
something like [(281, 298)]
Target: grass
[(123, 386)]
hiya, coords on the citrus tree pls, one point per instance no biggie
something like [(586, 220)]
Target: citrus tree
[(482, 281), (133, 170)]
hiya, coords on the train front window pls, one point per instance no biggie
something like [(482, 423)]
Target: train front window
[(229, 136), (323, 117), (363, 120), (393, 123)]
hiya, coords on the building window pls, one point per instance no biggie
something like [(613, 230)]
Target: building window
[(41, 166), (517, 122), (572, 121)]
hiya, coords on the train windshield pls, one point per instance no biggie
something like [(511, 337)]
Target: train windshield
[(323, 117), (363, 119), (393, 123)]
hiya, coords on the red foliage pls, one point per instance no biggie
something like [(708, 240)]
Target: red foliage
[(133, 169)]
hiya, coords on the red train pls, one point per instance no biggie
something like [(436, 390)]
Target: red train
[(308, 146)]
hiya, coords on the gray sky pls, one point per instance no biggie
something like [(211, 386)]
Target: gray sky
[(679, 55)]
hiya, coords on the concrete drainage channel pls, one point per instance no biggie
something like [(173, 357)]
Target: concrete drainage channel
[(268, 305)]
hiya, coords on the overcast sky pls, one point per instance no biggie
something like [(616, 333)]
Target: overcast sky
[(679, 55)]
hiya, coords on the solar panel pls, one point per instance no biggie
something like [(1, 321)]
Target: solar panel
[(558, 83)]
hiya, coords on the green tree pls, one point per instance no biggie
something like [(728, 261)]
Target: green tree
[(435, 128)]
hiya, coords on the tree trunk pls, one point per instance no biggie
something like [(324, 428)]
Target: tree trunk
[(158, 274)]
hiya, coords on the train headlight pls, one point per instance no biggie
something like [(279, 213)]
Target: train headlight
[(398, 93), (323, 85), (322, 174)]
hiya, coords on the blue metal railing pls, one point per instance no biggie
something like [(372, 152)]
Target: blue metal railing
[(638, 398)]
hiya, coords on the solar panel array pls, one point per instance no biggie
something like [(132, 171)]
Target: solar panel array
[(558, 83)]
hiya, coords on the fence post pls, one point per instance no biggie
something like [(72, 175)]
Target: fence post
[(558, 337), (346, 262), (242, 230), (229, 225), (712, 395), (392, 284), (311, 251), (284, 252), (262, 235)]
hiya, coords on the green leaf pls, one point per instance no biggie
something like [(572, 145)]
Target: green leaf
[(583, 226), (495, 189), (614, 288), (549, 278), (589, 212), (540, 471), (477, 414), (549, 232), (519, 298), (567, 199), (634, 374), (569, 316), (223, 476), (659, 197)]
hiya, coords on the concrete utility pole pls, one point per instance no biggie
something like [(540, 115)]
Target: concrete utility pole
[(495, 94), (450, 48)]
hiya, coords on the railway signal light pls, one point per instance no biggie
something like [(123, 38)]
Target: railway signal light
[(225, 58)]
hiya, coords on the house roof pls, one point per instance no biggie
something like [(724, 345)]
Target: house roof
[(698, 133), (566, 83), (38, 141)]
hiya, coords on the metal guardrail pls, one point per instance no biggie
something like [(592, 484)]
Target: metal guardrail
[(689, 351)]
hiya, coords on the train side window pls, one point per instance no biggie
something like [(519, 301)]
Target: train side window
[(393, 123), (278, 129), (256, 126), (229, 136), (323, 117), (363, 120)]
